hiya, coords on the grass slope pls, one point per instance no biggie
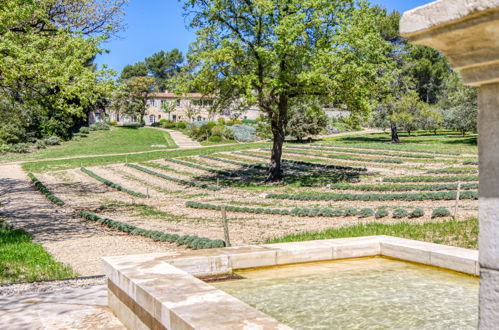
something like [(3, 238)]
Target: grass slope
[(455, 233), (115, 141), (21, 260)]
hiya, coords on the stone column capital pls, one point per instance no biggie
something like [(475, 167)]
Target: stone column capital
[(466, 31)]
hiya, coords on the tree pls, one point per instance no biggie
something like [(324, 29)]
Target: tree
[(164, 66), (138, 69), (306, 118), (169, 107), (131, 96), (273, 53), (458, 104)]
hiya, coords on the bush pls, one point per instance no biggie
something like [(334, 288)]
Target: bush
[(234, 122), (217, 131), (366, 213), (243, 133), (113, 123), (20, 148), (400, 213), (85, 130), (417, 213), (40, 144), (44, 190), (156, 124), (181, 125), (167, 124), (381, 213), (53, 141), (132, 125), (4, 148), (100, 126), (215, 138), (351, 212), (440, 212)]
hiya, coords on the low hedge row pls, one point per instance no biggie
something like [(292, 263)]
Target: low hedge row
[(410, 187), (453, 171), (471, 163), (111, 184), (200, 167), (44, 190), (191, 241), (381, 212), (431, 179), (234, 162), (435, 196), (180, 181), (304, 163), (364, 152), (347, 157), (389, 149)]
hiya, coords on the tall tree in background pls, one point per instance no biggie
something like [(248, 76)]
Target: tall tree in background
[(275, 52), (131, 97), (164, 66), (138, 69)]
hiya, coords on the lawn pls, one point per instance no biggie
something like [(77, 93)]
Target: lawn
[(455, 233), (116, 140), (21, 260)]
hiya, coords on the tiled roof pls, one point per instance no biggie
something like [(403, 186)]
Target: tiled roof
[(183, 96)]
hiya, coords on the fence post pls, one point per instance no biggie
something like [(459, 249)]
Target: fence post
[(226, 226), (458, 196)]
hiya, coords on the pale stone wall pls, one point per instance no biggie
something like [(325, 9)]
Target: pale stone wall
[(467, 32)]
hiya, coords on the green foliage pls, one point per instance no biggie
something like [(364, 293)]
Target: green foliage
[(84, 130), (180, 181), (242, 132), (130, 98), (193, 242), (347, 157), (400, 213), (20, 148), (453, 170), (111, 184), (100, 126), (365, 213), (52, 141), (307, 118), (163, 66), (406, 187), (180, 125), (381, 213), (350, 212), (364, 152), (441, 212), (470, 162), (138, 69), (44, 190), (214, 138), (435, 196), (417, 213)]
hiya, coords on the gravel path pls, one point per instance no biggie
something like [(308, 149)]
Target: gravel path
[(70, 239), (181, 140)]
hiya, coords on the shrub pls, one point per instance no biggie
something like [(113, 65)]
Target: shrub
[(440, 212), (181, 125), (111, 184), (20, 148), (113, 123), (233, 122), (351, 212), (167, 124), (44, 190), (366, 213), (215, 138), (243, 133), (431, 179), (417, 213), (53, 141), (132, 125), (217, 130), (100, 126), (156, 124), (40, 144), (84, 130), (400, 213), (381, 213), (4, 148)]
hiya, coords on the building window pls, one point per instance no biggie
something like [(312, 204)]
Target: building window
[(174, 117), (152, 103), (199, 118), (159, 117), (178, 103), (202, 103), (152, 118), (97, 116)]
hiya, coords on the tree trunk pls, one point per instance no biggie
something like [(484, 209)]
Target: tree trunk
[(278, 122), (395, 136)]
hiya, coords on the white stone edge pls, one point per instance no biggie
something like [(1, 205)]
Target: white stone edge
[(132, 274)]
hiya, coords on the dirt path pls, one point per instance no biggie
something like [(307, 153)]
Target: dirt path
[(181, 140), (67, 237)]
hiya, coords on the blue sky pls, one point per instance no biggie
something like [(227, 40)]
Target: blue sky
[(154, 25)]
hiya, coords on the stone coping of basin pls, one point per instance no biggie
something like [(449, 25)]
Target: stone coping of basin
[(158, 291)]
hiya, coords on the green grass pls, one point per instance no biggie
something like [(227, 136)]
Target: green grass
[(21, 260), (115, 141), (455, 233), (54, 165)]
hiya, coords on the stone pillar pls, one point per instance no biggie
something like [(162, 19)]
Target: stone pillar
[(467, 32)]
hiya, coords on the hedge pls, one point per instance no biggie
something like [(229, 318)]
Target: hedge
[(356, 151), (453, 171), (347, 157), (470, 163), (233, 162), (44, 190), (300, 212), (112, 184), (395, 187), (180, 181), (304, 163), (441, 212), (378, 197), (200, 167), (191, 241), (431, 179), (384, 149)]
